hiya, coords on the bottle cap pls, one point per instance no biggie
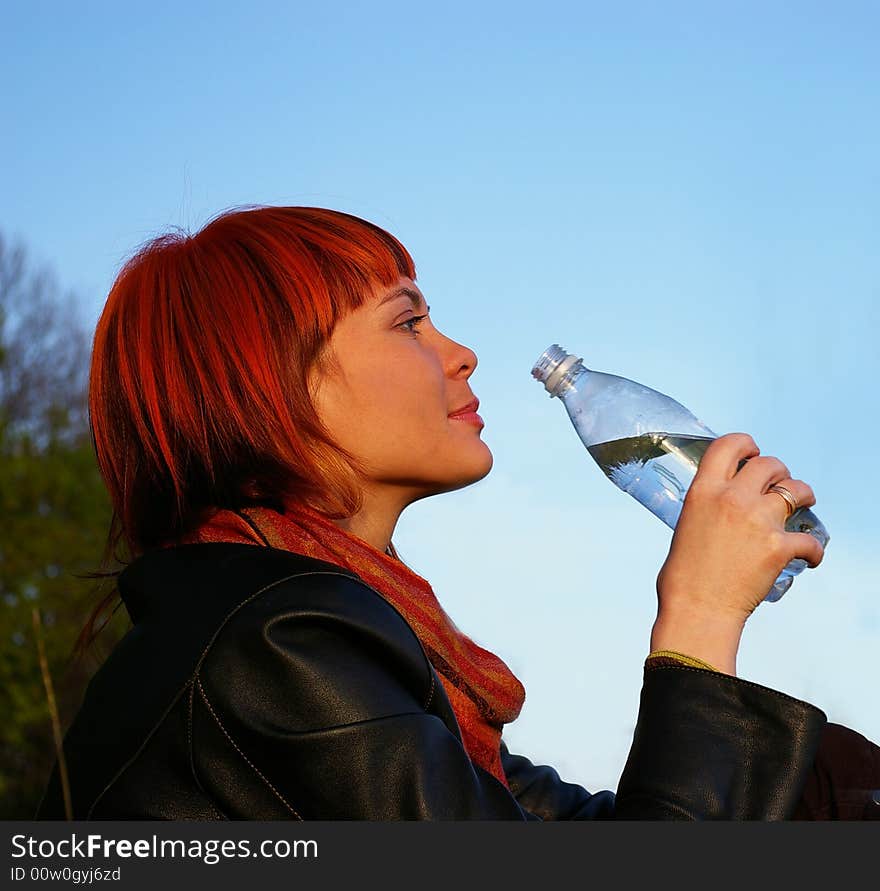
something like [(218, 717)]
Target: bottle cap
[(552, 366)]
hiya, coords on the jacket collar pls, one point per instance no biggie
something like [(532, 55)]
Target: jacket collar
[(198, 584)]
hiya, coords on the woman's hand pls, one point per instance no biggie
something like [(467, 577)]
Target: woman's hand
[(729, 547)]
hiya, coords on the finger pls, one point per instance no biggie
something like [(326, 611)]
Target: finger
[(725, 454), (807, 548), (799, 490), (761, 472)]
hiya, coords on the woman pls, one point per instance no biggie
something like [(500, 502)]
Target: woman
[(266, 398)]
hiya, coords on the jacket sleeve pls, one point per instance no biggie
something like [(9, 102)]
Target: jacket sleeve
[(539, 789), (322, 696), (706, 746), (712, 746)]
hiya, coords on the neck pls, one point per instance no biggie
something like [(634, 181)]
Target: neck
[(374, 522)]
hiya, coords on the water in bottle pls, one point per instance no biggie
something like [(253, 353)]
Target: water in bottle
[(645, 442)]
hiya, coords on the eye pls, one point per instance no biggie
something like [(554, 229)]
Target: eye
[(413, 323)]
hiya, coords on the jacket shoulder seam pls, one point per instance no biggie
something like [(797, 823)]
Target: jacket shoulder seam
[(237, 748), (430, 692), (192, 763)]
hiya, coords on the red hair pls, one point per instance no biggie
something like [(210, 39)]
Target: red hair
[(198, 393)]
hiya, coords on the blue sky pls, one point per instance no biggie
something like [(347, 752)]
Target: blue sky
[(685, 194)]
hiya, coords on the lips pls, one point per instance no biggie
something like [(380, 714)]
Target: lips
[(468, 413), (471, 407)]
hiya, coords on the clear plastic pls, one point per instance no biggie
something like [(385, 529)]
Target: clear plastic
[(645, 442)]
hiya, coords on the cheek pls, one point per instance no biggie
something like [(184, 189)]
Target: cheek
[(409, 409), (408, 420), (391, 409), (407, 384)]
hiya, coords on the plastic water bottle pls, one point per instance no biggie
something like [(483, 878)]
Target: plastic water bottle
[(646, 443)]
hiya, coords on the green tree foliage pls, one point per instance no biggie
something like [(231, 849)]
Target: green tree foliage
[(54, 517)]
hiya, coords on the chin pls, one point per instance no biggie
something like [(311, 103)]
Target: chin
[(488, 461), (465, 474), (476, 469)]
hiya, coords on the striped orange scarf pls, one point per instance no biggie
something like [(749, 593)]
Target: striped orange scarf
[(482, 690)]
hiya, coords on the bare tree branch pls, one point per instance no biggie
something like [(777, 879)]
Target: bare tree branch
[(44, 355)]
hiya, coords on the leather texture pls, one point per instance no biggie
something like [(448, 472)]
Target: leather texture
[(258, 684)]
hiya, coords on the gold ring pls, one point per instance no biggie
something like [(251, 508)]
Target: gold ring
[(790, 500)]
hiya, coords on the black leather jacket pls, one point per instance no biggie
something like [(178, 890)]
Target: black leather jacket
[(260, 684)]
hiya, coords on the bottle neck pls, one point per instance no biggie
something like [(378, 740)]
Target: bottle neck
[(558, 373), (566, 383), (557, 370)]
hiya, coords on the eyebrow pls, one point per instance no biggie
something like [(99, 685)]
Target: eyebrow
[(414, 296)]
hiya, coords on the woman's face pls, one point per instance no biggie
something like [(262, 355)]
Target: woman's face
[(388, 390)]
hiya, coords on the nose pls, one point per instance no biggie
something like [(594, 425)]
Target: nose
[(460, 360)]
